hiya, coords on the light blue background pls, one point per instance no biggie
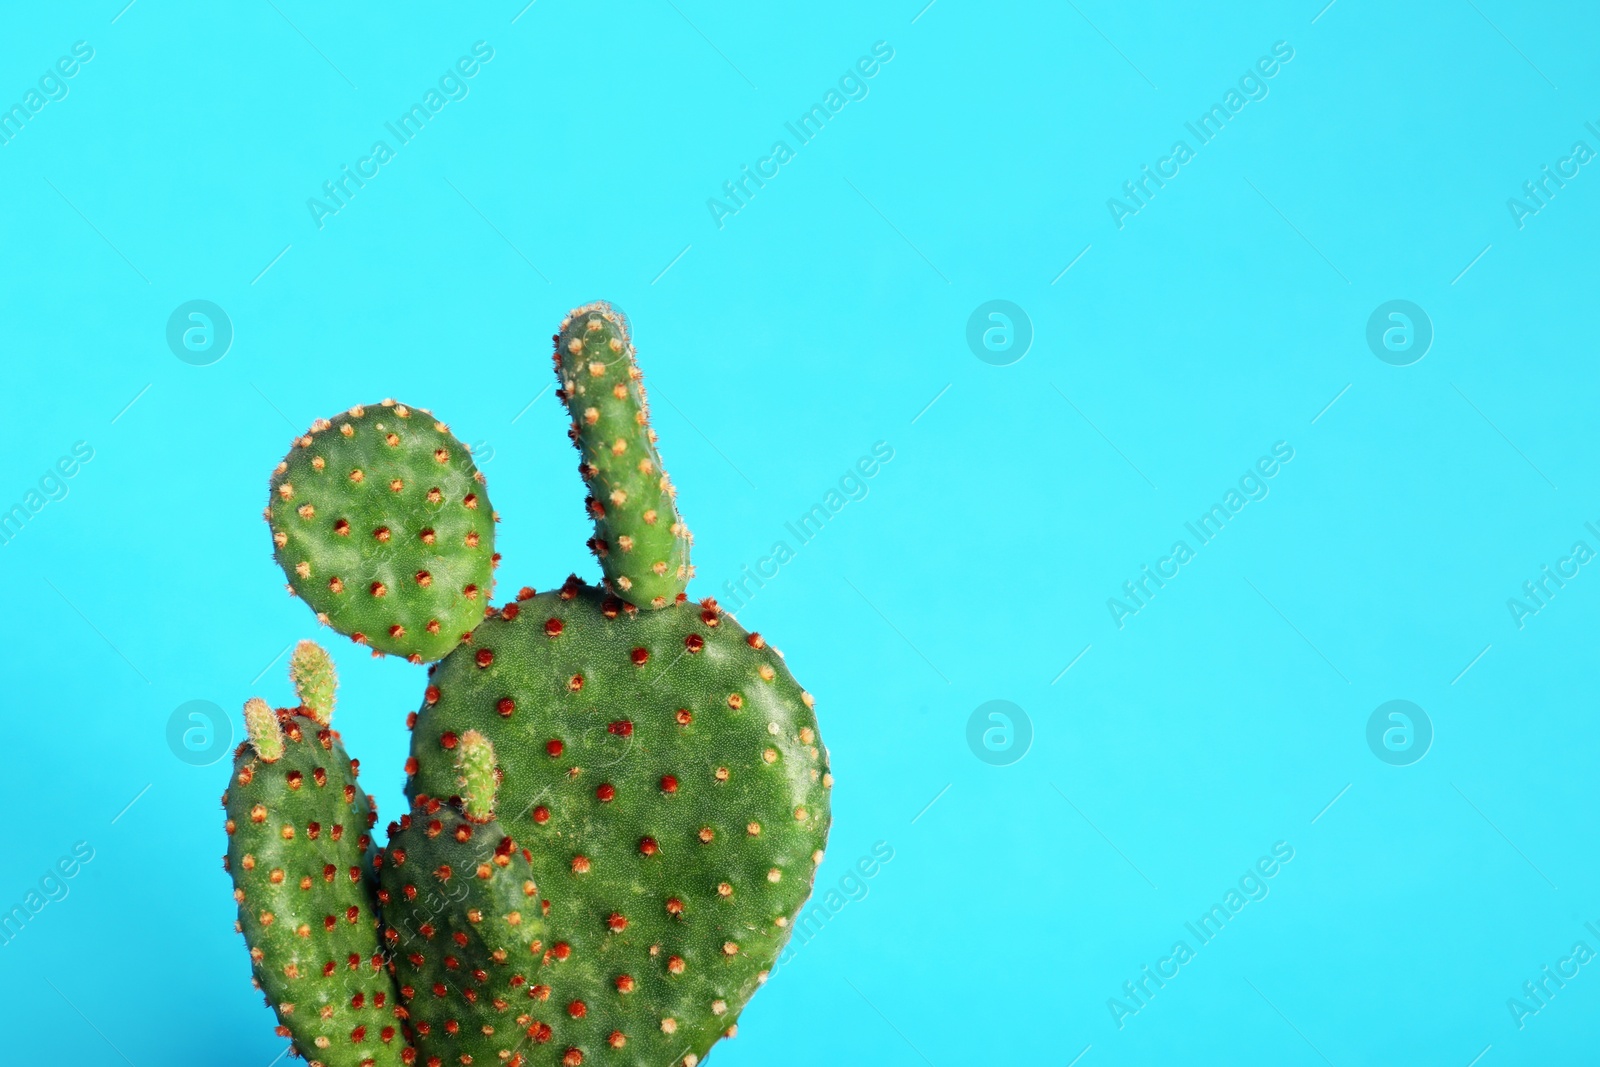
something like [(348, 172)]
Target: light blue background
[(824, 317)]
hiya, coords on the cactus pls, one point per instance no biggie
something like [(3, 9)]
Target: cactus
[(642, 544), (382, 524), (663, 768), (618, 797), (298, 847), (468, 935)]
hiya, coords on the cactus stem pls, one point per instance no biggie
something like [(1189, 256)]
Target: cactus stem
[(262, 723), (640, 541)]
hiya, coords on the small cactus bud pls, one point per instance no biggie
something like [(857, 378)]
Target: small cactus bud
[(479, 781), (262, 723), (315, 680)]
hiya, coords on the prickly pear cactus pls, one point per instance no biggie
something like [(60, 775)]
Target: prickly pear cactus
[(299, 839), (618, 797), (664, 770), (382, 524), (467, 931), (642, 544)]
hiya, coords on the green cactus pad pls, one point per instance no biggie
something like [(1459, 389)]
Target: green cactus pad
[(466, 937), (298, 844), (642, 544), (664, 770), (383, 525)]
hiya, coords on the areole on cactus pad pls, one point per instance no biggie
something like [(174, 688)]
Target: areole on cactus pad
[(618, 797)]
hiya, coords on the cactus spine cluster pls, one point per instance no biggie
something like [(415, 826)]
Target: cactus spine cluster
[(618, 798)]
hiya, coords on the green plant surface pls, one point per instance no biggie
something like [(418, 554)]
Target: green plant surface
[(382, 523), (618, 798), (639, 538), (664, 771), (299, 844)]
